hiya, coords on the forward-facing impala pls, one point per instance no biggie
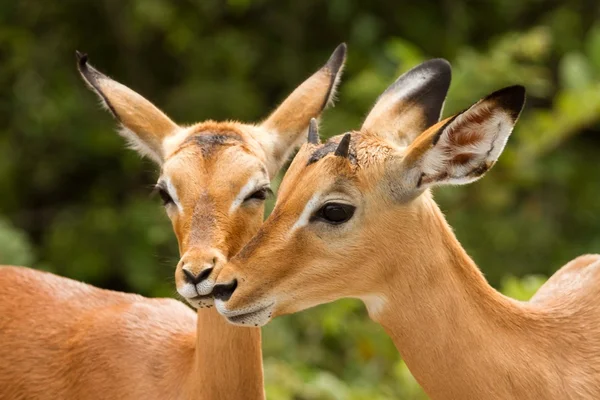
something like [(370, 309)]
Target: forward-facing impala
[(355, 218), (61, 339)]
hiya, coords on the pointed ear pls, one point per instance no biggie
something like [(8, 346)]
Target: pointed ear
[(287, 126), (462, 148), (411, 104), (143, 125)]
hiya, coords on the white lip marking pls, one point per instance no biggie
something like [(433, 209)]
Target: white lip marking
[(187, 290), (205, 287), (254, 183), (309, 208)]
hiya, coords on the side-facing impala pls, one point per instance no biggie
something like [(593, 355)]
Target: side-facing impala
[(355, 218), (61, 339)]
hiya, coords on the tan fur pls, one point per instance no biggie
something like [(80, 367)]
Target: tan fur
[(62, 339), (460, 338)]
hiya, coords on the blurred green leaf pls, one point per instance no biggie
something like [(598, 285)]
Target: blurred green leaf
[(15, 248)]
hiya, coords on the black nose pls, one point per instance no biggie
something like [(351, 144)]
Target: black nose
[(196, 279), (223, 291)]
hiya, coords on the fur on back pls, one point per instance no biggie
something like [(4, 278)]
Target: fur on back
[(91, 336)]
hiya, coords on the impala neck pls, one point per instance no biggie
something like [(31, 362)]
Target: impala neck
[(459, 337), (228, 360)]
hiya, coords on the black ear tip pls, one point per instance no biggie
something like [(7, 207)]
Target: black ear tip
[(82, 58), (337, 58), (440, 63), (439, 68), (511, 98), (436, 75)]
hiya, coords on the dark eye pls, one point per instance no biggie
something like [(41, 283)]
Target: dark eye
[(260, 194), (335, 213), (165, 196)]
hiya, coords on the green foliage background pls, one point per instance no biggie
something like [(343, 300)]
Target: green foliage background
[(76, 203)]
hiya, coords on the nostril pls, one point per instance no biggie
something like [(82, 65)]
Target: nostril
[(224, 291), (196, 279), (204, 274), (189, 277)]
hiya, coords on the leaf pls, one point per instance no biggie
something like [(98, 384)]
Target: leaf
[(15, 248), (575, 71), (592, 47)]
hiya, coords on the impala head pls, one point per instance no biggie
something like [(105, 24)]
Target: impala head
[(214, 176), (350, 208)]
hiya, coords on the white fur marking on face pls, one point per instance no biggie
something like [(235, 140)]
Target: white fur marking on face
[(173, 193), (187, 290), (309, 209), (205, 287), (256, 182), (189, 293), (258, 314)]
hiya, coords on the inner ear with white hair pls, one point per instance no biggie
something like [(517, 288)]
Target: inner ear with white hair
[(143, 125), (411, 104), (287, 126), (460, 149)]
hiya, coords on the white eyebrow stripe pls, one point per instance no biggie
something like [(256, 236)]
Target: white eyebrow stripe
[(308, 211), (255, 182), (173, 193)]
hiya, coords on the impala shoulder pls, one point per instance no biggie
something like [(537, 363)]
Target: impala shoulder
[(578, 278), (138, 315), (586, 266), (584, 261)]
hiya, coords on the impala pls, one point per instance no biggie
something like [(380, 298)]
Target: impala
[(62, 339), (355, 218)]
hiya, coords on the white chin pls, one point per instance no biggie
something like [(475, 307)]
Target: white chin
[(259, 317)]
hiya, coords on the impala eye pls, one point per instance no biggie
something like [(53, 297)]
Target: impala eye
[(165, 196), (260, 194), (335, 213)]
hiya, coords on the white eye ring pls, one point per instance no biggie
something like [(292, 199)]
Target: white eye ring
[(168, 194), (259, 194)]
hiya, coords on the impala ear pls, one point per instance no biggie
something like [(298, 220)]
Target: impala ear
[(287, 126), (411, 104), (462, 148), (143, 125)]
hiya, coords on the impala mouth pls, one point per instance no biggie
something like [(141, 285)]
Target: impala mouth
[(196, 297)]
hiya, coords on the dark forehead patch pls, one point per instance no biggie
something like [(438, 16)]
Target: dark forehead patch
[(207, 141), (330, 147)]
